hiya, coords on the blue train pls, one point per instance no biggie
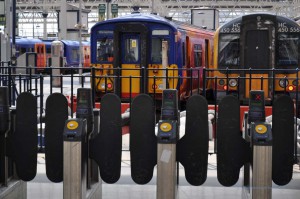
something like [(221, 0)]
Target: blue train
[(134, 42), (43, 50)]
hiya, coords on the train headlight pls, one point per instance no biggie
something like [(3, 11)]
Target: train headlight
[(291, 88), (221, 82), (232, 82), (283, 83)]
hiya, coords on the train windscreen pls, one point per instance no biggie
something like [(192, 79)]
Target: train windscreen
[(229, 51), (156, 50), (105, 50), (287, 54)]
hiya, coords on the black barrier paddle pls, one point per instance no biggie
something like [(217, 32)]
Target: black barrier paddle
[(4, 110), (232, 150), (143, 142), (192, 148), (106, 147), (56, 116), (24, 138), (283, 140)]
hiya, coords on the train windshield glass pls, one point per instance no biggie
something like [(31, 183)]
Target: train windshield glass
[(287, 50), (105, 50), (156, 52), (229, 51), (156, 49), (75, 54)]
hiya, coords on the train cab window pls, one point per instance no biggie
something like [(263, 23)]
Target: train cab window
[(131, 51), (105, 50), (287, 50), (75, 54), (229, 51), (198, 55), (156, 49), (22, 51)]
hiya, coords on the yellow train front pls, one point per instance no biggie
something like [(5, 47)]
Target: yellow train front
[(127, 54), (256, 52)]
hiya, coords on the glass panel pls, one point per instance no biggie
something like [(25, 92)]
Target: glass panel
[(131, 50), (198, 55), (229, 51), (105, 50), (156, 50), (75, 54), (287, 49), (160, 32)]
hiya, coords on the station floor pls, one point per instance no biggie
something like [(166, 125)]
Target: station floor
[(125, 188)]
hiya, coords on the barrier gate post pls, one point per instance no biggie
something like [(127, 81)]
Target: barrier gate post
[(168, 129), (262, 160), (261, 143), (75, 159)]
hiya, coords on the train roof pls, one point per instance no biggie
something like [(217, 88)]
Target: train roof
[(280, 19), (27, 41), (135, 17), (70, 42)]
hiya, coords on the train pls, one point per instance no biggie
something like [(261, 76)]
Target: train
[(42, 48), (257, 52), (127, 54)]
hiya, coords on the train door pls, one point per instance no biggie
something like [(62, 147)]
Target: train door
[(188, 89), (257, 44), (130, 44), (131, 66), (206, 53), (41, 55)]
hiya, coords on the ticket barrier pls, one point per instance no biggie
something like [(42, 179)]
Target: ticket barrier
[(166, 149), (261, 142), (75, 160), (21, 124), (4, 128), (11, 186), (267, 155), (258, 173), (81, 176), (85, 110), (167, 136)]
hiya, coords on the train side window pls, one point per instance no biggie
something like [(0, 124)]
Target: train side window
[(229, 50), (287, 49), (198, 55), (105, 50)]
